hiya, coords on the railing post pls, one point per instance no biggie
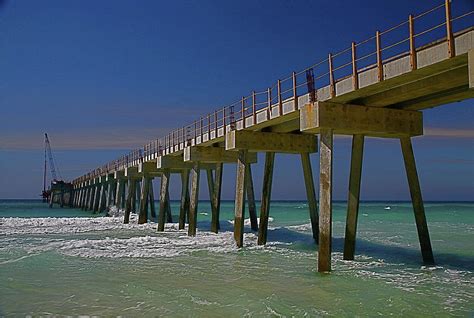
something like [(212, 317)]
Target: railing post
[(269, 106), (379, 56), (280, 102), (243, 112), (295, 90), (355, 75), (449, 30), (332, 85), (208, 126), (215, 122), (201, 126), (411, 26), (254, 110), (223, 119)]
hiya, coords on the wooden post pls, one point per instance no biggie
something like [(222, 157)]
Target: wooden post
[(193, 205), (103, 194), (411, 26), (254, 108), (139, 193), (355, 75), (128, 205), (417, 200), (184, 208), (143, 215), (110, 190), (251, 199), (379, 56), (310, 194), (151, 195), (332, 84), (216, 198), (90, 205), (118, 196), (122, 205), (325, 195), (210, 187), (280, 101), (169, 216), (449, 29), (165, 179), (243, 112), (240, 190), (266, 195), (295, 90), (354, 195), (269, 103)]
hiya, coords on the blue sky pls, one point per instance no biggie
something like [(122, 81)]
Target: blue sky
[(102, 77)]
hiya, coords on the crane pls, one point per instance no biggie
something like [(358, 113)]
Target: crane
[(48, 157)]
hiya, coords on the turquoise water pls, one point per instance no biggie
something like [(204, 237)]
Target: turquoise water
[(70, 262)]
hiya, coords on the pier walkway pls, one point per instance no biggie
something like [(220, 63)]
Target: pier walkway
[(374, 88)]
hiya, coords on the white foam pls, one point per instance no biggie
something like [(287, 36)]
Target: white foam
[(247, 222), (10, 226)]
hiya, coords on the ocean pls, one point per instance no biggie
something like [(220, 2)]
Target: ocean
[(67, 262)]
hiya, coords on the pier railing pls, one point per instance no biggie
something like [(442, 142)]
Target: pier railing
[(401, 40)]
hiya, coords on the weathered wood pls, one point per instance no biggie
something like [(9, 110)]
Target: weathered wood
[(270, 141), (97, 198), (210, 187), (165, 179), (118, 193), (251, 199), (351, 119), (240, 190), (128, 205), (151, 196), (123, 194), (354, 195), (193, 205), (266, 196), (417, 200), (184, 207), (103, 194), (110, 190), (143, 215), (169, 216), (311, 195), (213, 155), (216, 198), (139, 193), (325, 212)]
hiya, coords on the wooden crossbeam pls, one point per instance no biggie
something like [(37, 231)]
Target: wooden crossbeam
[(270, 142)]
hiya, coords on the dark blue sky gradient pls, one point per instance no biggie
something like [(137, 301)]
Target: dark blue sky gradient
[(102, 77)]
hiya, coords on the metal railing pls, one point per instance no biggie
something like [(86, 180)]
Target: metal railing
[(372, 53)]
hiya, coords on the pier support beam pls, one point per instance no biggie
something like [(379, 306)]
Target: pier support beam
[(151, 195), (251, 199), (118, 194), (266, 196), (165, 179), (193, 205), (240, 190), (354, 195), (216, 198), (311, 195), (98, 187), (325, 197), (184, 207), (103, 194), (129, 204), (417, 200), (143, 215)]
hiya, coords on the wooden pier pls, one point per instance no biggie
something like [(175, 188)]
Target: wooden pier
[(378, 94)]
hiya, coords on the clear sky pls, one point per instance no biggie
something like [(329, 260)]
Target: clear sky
[(102, 77)]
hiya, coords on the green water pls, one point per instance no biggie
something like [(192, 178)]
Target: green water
[(74, 265)]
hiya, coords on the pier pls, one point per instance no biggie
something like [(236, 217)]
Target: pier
[(378, 87)]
